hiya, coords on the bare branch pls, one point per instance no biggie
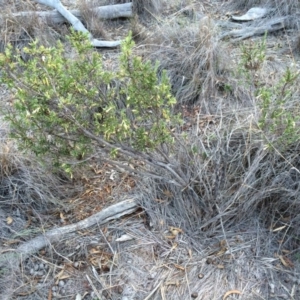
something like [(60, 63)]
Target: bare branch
[(32, 246)]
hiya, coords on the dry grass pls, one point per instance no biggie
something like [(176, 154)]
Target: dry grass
[(95, 26), (191, 54), (20, 31), (232, 173), (148, 6), (29, 195), (25, 184)]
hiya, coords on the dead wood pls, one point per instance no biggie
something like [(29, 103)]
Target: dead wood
[(54, 17), (76, 23), (112, 212), (271, 25)]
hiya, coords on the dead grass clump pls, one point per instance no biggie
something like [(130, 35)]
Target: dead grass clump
[(147, 6), (93, 24), (192, 56), (139, 32), (232, 177), (24, 183)]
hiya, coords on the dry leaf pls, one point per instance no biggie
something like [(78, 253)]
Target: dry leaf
[(286, 261), (49, 294), (175, 231), (112, 175), (78, 297), (179, 267), (58, 275), (220, 266), (279, 228), (168, 194), (124, 238), (95, 251), (61, 276), (174, 246), (9, 220), (221, 252), (159, 200), (173, 283), (223, 244), (11, 242), (231, 292), (170, 236), (64, 276)]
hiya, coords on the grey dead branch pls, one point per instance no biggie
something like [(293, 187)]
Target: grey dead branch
[(77, 24), (268, 26), (32, 246)]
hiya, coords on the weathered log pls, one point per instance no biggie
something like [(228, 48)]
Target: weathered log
[(102, 12)]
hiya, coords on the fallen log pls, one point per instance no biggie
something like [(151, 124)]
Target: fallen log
[(102, 12)]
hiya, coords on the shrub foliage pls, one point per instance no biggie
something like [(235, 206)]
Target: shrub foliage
[(64, 104)]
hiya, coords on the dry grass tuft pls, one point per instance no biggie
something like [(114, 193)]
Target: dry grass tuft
[(232, 178), (148, 6), (232, 171), (25, 184), (139, 32), (192, 56), (30, 194), (93, 24)]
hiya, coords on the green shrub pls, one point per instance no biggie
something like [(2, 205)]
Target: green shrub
[(67, 104), (279, 115), (252, 58)]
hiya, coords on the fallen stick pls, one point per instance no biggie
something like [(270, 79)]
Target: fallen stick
[(112, 212)]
